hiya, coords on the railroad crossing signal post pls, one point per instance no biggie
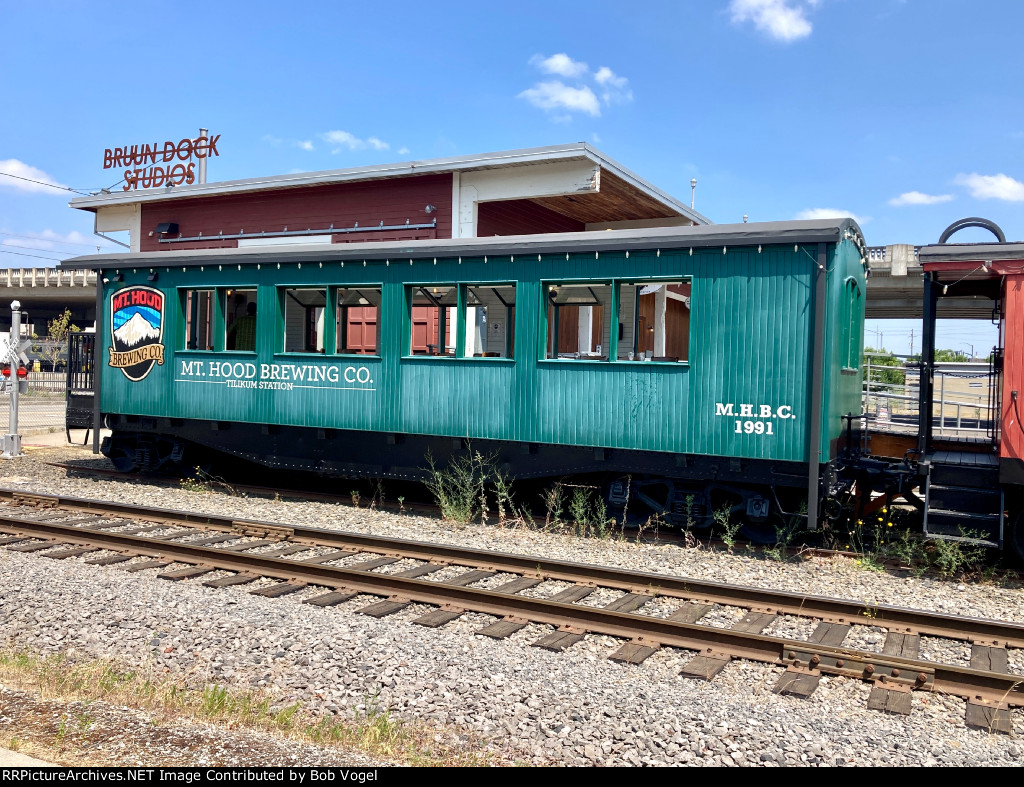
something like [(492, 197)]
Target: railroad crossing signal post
[(16, 355)]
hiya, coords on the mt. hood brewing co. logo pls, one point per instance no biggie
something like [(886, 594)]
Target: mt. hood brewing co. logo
[(136, 331)]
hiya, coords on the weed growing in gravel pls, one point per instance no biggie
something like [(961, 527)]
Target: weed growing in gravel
[(588, 512), (203, 482), (372, 729), (884, 537), (727, 528), (465, 489)]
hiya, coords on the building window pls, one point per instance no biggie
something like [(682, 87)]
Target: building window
[(357, 317), (654, 321), (490, 320), (240, 320), (304, 312), (577, 320), (433, 314), (199, 308)]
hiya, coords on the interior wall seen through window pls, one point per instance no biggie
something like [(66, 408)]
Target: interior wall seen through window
[(304, 320), (199, 316), (357, 320), (490, 320), (655, 321), (577, 323), (434, 314)]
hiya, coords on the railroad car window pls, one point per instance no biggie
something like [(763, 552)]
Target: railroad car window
[(577, 324), (357, 315), (850, 351), (654, 321), (304, 315), (240, 320), (199, 319), (434, 318), (490, 320)]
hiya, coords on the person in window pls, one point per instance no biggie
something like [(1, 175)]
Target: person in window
[(242, 333)]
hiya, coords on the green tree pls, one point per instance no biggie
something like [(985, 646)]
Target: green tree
[(57, 338), (951, 356), (885, 367)]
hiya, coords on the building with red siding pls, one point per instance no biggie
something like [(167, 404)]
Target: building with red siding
[(566, 188)]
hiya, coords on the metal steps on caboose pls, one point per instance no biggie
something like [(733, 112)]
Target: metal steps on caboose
[(963, 501)]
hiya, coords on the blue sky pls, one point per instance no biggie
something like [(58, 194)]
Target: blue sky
[(905, 114)]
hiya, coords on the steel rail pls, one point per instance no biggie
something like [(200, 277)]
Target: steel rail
[(985, 631), (645, 630)]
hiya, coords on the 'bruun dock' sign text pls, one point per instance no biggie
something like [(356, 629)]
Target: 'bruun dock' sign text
[(169, 164)]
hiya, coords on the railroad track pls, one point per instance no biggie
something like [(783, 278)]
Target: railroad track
[(342, 566)]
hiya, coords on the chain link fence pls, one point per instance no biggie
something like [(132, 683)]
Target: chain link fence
[(41, 408)]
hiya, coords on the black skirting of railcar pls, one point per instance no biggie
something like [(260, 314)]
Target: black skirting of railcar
[(760, 490)]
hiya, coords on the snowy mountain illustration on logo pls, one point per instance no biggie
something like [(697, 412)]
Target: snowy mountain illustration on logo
[(136, 330)]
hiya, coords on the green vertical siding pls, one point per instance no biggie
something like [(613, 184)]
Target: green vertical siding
[(842, 389), (751, 313)]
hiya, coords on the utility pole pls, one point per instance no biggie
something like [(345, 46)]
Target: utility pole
[(911, 341)]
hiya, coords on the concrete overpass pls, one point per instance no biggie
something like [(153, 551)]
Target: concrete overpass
[(896, 287), (46, 292)]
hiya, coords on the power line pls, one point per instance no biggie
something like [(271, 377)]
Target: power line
[(43, 183), (38, 257), (30, 248), (47, 240)]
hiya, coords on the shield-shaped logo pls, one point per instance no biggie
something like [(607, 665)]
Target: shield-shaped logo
[(136, 330)]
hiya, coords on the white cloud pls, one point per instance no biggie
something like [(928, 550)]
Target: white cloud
[(919, 198), (341, 140), (21, 175), (560, 64), (271, 139), (992, 186), (783, 20), (557, 95), (403, 151), (616, 88), (305, 144), (575, 94), (831, 213)]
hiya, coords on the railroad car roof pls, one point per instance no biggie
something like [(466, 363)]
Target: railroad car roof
[(716, 235), (971, 252)]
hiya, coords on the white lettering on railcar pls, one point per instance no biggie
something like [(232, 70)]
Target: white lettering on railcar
[(754, 419), (246, 375)]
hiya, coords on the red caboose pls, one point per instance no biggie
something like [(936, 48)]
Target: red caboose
[(982, 487)]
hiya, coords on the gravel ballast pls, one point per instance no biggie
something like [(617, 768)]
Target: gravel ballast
[(529, 705)]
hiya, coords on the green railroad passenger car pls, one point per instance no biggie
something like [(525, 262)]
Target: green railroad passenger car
[(696, 361)]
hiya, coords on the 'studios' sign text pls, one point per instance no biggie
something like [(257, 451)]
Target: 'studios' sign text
[(169, 164)]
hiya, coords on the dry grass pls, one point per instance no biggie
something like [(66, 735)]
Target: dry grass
[(372, 731)]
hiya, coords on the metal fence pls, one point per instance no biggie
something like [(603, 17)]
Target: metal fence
[(965, 397), (40, 409)]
